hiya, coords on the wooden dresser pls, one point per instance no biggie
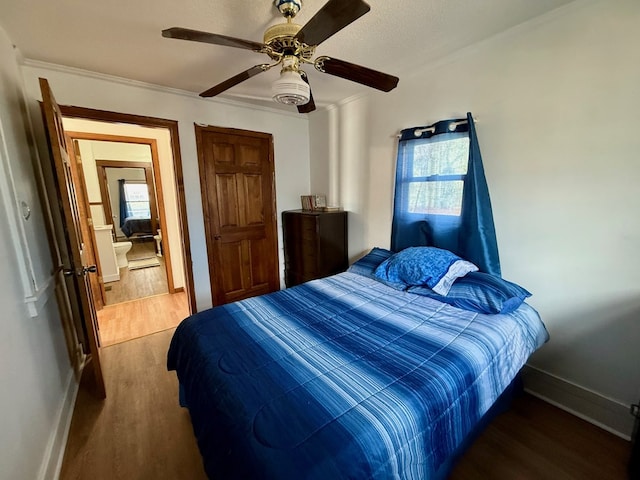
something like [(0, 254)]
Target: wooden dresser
[(315, 245)]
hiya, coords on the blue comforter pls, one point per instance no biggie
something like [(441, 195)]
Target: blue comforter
[(343, 377)]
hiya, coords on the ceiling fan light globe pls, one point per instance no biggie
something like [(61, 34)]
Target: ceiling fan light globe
[(291, 89)]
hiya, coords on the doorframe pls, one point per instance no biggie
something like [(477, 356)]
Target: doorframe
[(172, 127), (149, 180)]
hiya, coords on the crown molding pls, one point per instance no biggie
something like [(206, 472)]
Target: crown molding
[(28, 62)]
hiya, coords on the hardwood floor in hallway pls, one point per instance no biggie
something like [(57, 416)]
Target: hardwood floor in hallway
[(139, 432), (125, 321)]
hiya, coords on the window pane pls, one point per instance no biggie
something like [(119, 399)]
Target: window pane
[(446, 157), (139, 209), (137, 195), (136, 192), (436, 198)]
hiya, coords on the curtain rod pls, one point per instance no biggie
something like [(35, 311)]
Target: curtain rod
[(432, 129)]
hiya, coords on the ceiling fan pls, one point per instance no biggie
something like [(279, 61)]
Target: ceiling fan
[(291, 46)]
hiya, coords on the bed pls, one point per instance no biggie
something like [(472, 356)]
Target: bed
[(136, 226), (345, 377)]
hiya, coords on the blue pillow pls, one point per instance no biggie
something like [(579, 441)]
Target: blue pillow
[(367, 265), (431, 266), (480, 292)]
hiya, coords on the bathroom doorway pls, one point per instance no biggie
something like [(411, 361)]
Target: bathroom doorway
[(123, 185), (154, 290), (131, 203)]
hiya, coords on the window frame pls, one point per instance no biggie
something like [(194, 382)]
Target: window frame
[(409, 179)]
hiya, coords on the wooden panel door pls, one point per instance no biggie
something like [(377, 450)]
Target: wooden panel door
[(78, 270), (238, 198)]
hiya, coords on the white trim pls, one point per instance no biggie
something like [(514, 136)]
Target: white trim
[(39, 299), (609, 414), (158, 88), (111, 278), (16, 227), (54, 453)]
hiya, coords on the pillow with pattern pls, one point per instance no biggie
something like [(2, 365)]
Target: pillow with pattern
[(419, 266)]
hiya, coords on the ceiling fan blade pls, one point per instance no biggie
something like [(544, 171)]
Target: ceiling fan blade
[(331, 18), (214, 38), (235, 80), (310, 106), (356, 73)]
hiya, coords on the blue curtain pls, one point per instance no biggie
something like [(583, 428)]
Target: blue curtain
[(466, 229), (122, 197)]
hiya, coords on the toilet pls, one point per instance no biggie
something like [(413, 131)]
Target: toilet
[(121, 249)]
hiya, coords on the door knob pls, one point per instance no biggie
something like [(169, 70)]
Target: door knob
[(68, 272), (217, 237)]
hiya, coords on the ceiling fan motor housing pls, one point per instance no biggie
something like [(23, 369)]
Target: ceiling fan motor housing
[(280, 40)]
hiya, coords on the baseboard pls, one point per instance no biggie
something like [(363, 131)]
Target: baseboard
[(111, 278), (54, 453), (593, 407)]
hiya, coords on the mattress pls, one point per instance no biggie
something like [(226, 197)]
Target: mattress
[(343, 377)]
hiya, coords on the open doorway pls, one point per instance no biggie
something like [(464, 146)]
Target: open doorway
[(123, 194), (148, 287), (131, 204)]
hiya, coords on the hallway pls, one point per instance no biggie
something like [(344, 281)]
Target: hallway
[(137, 318)]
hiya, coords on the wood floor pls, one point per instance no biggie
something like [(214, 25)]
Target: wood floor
[(125, 321), (138, 283), (537, 441), (140, 432)]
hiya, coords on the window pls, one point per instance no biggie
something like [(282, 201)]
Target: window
[(137, 198), (441, 194), (435, 175)]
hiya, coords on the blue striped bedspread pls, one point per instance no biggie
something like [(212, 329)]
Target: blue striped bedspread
[(343, 377)]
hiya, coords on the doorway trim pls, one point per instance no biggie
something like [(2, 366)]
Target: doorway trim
[(172, 127), (150, 180)]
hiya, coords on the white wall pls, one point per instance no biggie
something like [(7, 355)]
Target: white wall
[(290, 134), (557, 101), (34, 367)]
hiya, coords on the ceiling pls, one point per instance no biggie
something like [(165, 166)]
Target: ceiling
[(122, 38)]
